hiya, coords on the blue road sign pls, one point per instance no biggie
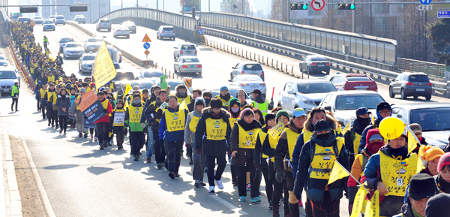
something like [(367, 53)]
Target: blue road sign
[(443, 13), (200, 31), (425, 2), (146, 45)]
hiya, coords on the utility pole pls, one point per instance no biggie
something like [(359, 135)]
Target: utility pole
[(121, 4), (353, 19)]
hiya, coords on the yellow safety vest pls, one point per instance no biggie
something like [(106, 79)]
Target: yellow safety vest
[(119, 118), (247, 139), (216, 129), (175, 120), (262, 136), (193, 123), (396, 174), (363, 163), (77, 100), (187, 99), (263, 107), (105, 104), (50, 78), (356, 142), (224, 103), (232, 121), (291, 140), (135, 113), (323, 160), (156, 110), (42, 92), (306, 135)]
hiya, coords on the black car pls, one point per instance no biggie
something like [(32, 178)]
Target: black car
[(314, 63), (411, 84)]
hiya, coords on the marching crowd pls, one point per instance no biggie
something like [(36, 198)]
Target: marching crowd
[(295, 152)]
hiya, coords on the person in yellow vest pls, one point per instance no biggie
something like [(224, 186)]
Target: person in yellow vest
[(389, 171), (181, 93), (283, 157), (260, 159), (42, 93), (260, 103), (79, 116), (118, 117), (133, 120), (225, 97), (235, 112), (101, 125), (171, 131), (199, 160), (317, 158), (374, 143), (242, 142), (353, 135), (51, 77), (50, 96)]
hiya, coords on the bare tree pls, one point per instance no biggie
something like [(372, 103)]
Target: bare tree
[(277, 10)]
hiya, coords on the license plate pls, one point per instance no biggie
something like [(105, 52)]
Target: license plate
[(321, 65), (191, 66), (420, 89)]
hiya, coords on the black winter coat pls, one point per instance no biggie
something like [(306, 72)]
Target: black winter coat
[(212, 147), (234, 142)]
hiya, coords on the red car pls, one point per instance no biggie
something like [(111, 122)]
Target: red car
[(353, 82)]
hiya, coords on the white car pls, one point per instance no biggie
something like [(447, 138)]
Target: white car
[(121, 31), (86, 62), (249, 83), (305, 94), (248, 68), (103, 24), (52, 18), (184, 49), (131, 26), (166, 32), (38, 20), (80, 18), (60, 20), (187, 64), (8, 76), (92, 44), (73, 49), (343, 104), (48, 24)]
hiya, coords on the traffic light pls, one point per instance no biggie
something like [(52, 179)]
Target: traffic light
[(78, 8), (28, 9), (346, 6), (299, 6)]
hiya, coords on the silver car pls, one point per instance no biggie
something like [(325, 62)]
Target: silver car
[(184, 49), (92, 44), (187, 64), (252, 68), (73, 49), (60, 20), (249, 83), (103, 24), (166, 32), (121, 31), (80, 18), (48, 24), (8, 76), (131, 26), (38, 20), (86, 62)]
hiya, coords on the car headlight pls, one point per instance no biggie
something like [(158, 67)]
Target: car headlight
[(308, 102)]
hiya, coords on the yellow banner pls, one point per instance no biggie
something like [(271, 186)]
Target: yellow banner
[(412, 142), (358, 202), (373, 209), (275, 131), (338, 172), (347, 127), (183, 106), (103, 70)]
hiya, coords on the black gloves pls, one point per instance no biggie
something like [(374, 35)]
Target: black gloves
[(279, 175)]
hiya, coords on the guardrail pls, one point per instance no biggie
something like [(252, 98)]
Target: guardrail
[(435, 71)]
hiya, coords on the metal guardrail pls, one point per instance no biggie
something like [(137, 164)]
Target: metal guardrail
[(434, 70)]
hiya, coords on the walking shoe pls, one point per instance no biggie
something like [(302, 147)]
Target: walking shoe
[(202, 183), (190, 161), (242, 199), (160, 166), (171, 175), (101, 147), (64, 133), (60, 132), (80, 135), (197, 184), (119, 147), (270, 206), (136, 157), (49, 124), (255, 200), (177, 175), (211, 189), (219, 184), (249, 187), (149, 160)]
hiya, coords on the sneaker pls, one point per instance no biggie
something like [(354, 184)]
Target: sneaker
[(149, 160), (136, 157), (80, 135), (119, 147), (177, 175), (255, 200), (60, 132), (160, 166), (270, 206), (101, 147), (172, 175), (190, 161), (242, 199), (219, 184), (202, 183), (249, 187), (211, 189), (197, 184)]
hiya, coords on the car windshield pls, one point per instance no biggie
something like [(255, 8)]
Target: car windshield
[(89, 58), (65, 40), (358, 78), (105, 21), (7, 75), (418, 78), (143, 85), (94, 40), (124, 76), (155, 74), (48, 22), (190, 60), (431, 119), (353, 102), (318, 59), (73, 45), (129, 23), (251, 78), (316, 87), (188, 47), (60, 17), (168, 29), (252, 67)]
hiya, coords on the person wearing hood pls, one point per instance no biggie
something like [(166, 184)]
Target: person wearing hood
[(182, 95), (242, 142), (43, 103), (195, 94), (421, 188), (353, 136), (37, 91), (199, 160), (101, 125), (283, 157), (171, 131), (79, 116), (260, 103), (443, 178), (261, 159), (384, 110), (225, 97), (417, 130), (268, 149), (314, 170), (153, 115), (374, 142), (50, 96), (235, 112), (211, 139), (389, 171), (63, 104), (118, 121), (133, 120)]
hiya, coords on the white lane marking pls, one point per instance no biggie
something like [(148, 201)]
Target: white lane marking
[(229, 205)]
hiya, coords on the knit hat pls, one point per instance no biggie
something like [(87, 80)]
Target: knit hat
[(444, 161), (235, 101), (422, 186), (246, 112), (322, 125), (91, 85), (437, 206), (216, 103), (199, 101), (269, 116), (282, 112), (382, 106), (431, 153)]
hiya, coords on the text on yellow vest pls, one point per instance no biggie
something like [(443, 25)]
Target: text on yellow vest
[(175, 120), (323, 160), (216, 129), (396, 173), (247, 139)]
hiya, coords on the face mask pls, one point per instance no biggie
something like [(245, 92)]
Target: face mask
[(182, 94), (235, 110), (207, 101), (363, 121), (324, 136), (136, 101), (373, 147)]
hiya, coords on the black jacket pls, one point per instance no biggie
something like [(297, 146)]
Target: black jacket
[(282, 149), (191, 105), (241, 159), (212, 147), (259, 161)]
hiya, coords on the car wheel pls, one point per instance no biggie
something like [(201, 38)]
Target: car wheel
[(391, 93), (415, 97), (328, 72), (173, 39), (128, 36), (428, 97), (403, 94)]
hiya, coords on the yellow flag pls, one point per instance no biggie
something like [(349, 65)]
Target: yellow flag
[(372, 208), (338, 172), (103, 70), (412, 142), (183, 106), (127, 90), (275, 131), (347, 127), (358, 203)]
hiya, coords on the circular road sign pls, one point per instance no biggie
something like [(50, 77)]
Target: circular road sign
[(425, 2), (318, 5), (146, 45)]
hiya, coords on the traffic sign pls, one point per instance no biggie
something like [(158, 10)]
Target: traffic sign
[(425, 7), (146, 39), (425, 2), (147, 52), (443, 13), (146, 45), (318, 5), (200, 31)]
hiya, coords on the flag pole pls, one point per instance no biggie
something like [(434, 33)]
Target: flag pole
[(335, 161)]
